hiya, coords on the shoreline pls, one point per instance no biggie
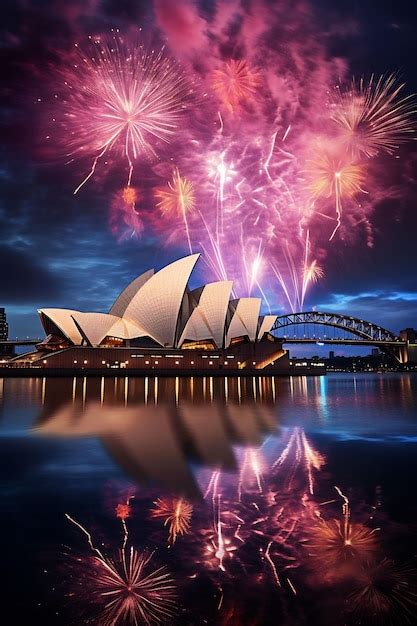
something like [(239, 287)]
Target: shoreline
[(41, 372)]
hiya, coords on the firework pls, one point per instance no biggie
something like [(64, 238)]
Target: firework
[(176, 514), (300, 454), (119, 101), (129, 589), (336, 177), (124, 218), (374, 116), (130, 196), (123, 510), (313, 272), (177, 199), (334, 543), (337, 542), (385, 593), (235, 82)]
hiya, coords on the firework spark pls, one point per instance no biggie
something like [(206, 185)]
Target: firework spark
[(120, 101), (130, 196), (337, 542), (178, 199), (374, 116), (128, 590), (338, 178), (385, 593), (176, 514), (234, 83)]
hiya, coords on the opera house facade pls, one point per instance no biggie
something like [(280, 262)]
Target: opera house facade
[(159, 323)]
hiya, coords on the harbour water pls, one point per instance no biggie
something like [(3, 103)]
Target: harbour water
[(210, 500)]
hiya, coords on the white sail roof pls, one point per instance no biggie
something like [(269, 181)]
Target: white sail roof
[(96, 326), (122, 302), (126, 330), (62, 318), (266, 322), (155, 307), (244, 320), (207, 321)]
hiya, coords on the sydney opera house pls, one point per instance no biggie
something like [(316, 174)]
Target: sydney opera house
[(159, 323)]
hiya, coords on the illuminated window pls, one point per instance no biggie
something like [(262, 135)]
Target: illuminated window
[(103, 362), (156, 362), (85, 362), (75, 361), (146, 362)]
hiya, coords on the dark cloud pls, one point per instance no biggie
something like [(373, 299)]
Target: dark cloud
[(24, 278)]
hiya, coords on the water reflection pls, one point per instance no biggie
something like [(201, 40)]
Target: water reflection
[(156, 428), (267, 497)]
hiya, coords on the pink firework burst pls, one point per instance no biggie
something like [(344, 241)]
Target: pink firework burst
[(131, 590), (119, 101)]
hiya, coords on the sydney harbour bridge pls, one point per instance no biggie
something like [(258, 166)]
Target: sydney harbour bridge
[(334, 328)]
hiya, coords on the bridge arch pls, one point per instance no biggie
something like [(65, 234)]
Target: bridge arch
[(366, 331), (354, 325)]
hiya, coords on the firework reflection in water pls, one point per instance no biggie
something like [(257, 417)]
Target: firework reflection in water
[(176, 513), (384, 594), (253, 541), (128, 589)]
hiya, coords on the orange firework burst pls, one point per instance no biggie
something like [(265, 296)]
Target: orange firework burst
[(123, 511), (176, 513), (130, 196), (235, 83), (334, 176), (385, 593), (374, 116), (178, 198), (334, 542)]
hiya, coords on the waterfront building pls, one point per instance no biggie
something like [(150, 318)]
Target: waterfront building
[(4, 328), (159, 323)]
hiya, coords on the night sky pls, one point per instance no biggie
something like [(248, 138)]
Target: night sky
[(57, 249)]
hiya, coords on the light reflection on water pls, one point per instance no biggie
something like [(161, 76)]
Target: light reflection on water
[(261, 495), (154, 428)]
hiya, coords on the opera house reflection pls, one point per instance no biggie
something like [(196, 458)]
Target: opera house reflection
[(157, 429)]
